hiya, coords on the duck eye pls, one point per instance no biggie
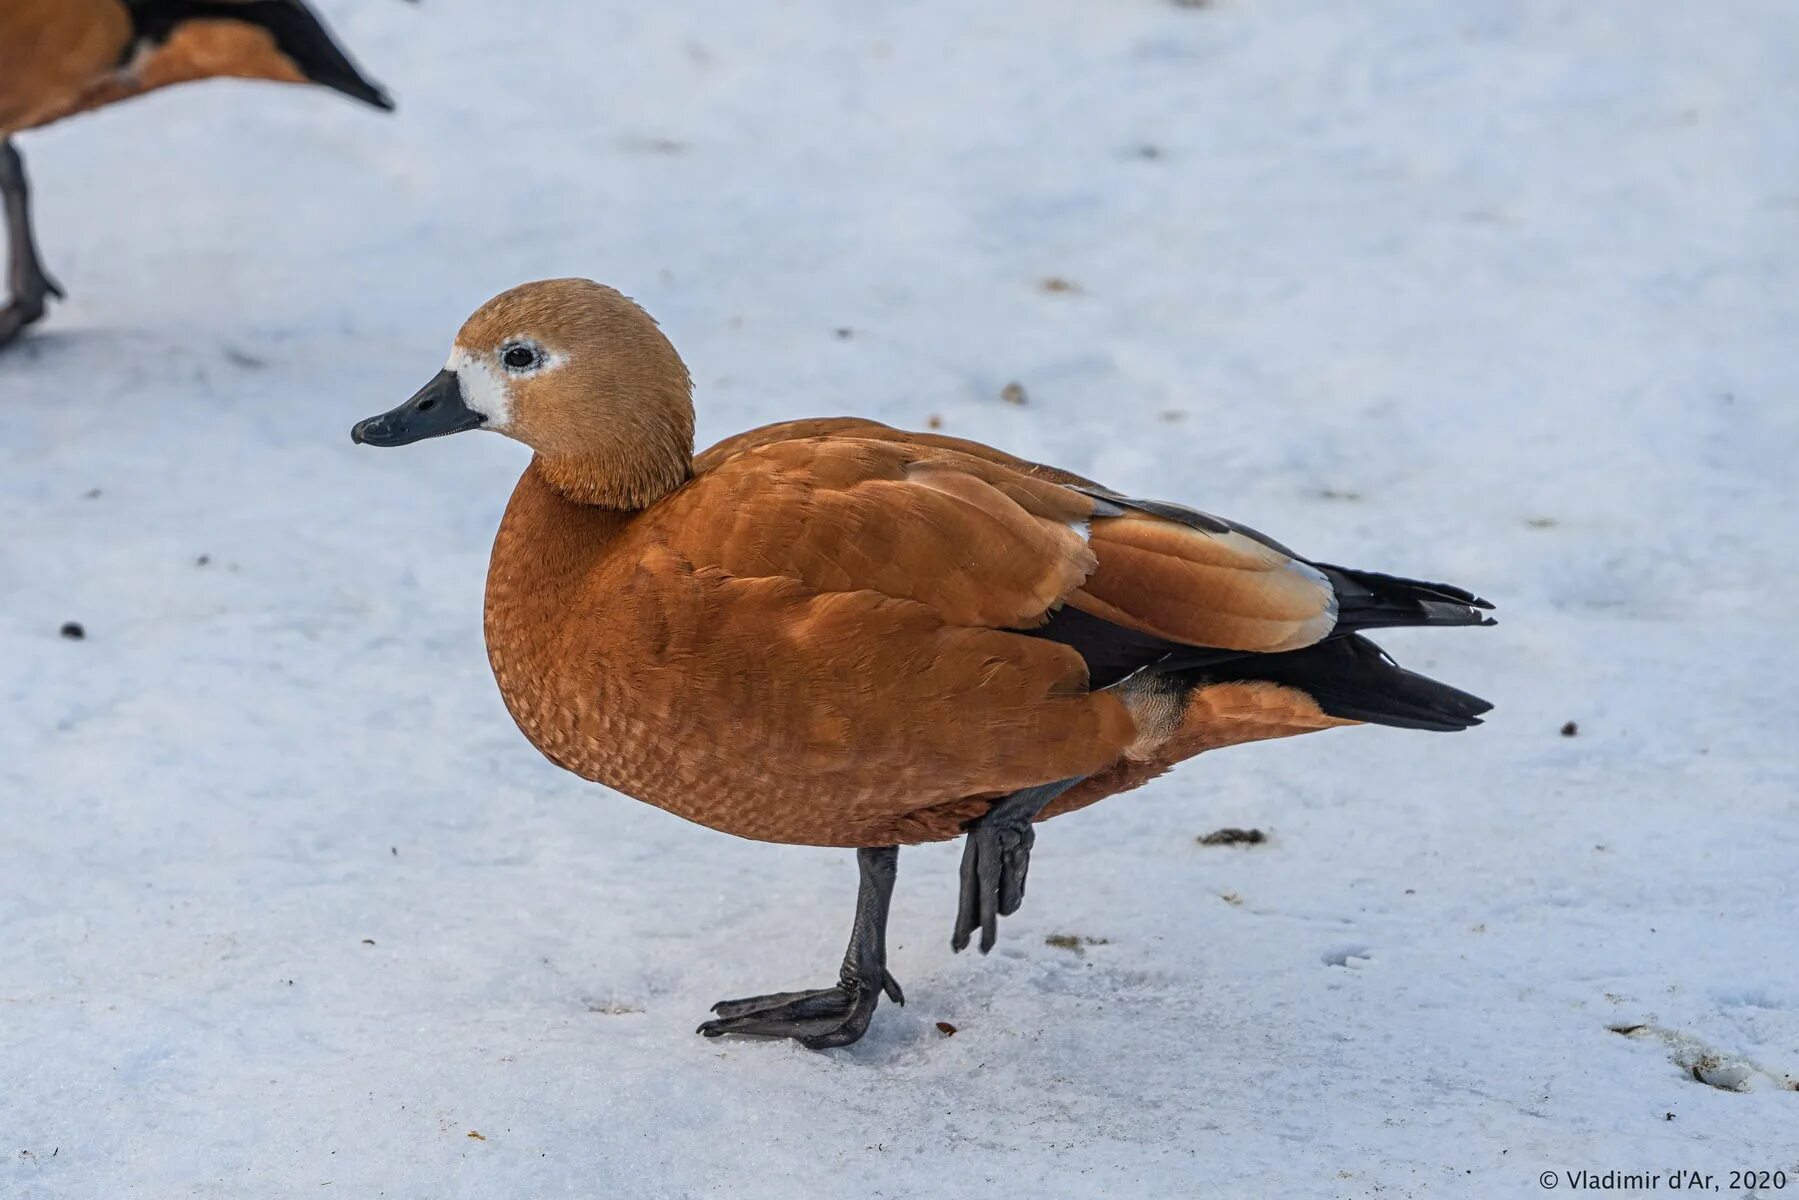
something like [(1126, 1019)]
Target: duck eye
[(519, 357)]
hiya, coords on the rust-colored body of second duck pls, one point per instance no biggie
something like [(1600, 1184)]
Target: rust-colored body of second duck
[(835, 633), (59, 58)]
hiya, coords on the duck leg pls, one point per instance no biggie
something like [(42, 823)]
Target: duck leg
[(26, 278), (995, 858), (837, 1015)]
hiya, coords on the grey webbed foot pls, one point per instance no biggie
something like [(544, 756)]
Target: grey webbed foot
[(838, 1015), (31, 285), (26, 308), (833, 1016), (996, 857)]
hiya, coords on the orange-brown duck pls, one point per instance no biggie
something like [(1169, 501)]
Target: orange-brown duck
[(835, 633), (62, 57)]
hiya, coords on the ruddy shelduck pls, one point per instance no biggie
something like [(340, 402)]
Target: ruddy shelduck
[(62, 57), (834, 633)]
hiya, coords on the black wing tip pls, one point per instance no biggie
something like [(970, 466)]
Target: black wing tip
[(1447, 612), (356, 88), (359, 89), (1375, 600)]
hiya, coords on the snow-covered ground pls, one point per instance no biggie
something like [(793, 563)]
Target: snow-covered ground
[(1504, 292)]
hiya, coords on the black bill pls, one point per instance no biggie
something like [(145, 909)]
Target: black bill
[(435, 410)]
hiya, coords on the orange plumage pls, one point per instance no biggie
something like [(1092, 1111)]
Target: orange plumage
[(835, 633)]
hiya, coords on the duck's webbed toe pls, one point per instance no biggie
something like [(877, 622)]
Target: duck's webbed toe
[(818, 1020), (25, 309), (837, 1015), (31, 286), (995, 860)]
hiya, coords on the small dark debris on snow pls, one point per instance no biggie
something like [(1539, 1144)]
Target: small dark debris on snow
[(394, 850), (92, 493), (845, 333), (1013, 393), (1074, 942), (1330, 493), (1149, 150), (613, 1010), (1628, 1030), (653, 145), (243, 358), (1667, 1116), (368, 941), (73, 630), (1055, 283), (477, 1135), (203, 560), (1540, 522), (1570, 729), (1231, 836), (946, 1029), (1172, 415)]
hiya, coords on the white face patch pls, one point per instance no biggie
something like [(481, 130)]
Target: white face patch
[(483, 388), (486, 379)]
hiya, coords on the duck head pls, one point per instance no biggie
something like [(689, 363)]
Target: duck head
[(577, 372)]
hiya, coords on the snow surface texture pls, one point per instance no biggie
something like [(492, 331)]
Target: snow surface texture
[(1498, 291)]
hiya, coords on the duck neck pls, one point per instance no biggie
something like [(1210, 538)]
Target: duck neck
[(546, 545), (607, 481)]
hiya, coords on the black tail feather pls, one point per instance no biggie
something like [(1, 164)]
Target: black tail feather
[(1352, 678)]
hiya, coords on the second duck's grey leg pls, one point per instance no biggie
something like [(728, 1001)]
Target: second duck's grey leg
[(838, 1015), (26, 278), (995, 858)]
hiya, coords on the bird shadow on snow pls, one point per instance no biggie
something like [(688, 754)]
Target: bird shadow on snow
[(57, 346), (956, 1010), (103, 351)]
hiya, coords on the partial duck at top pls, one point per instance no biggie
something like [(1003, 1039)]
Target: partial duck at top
[(62, 57), (835, 633)]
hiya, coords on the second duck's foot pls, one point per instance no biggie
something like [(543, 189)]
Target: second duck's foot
[(818, 1020), (31, 285), (26, 309)]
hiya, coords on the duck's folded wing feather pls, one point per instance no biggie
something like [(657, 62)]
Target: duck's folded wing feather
[(979, 544), (1219, 587), (988, 539)]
